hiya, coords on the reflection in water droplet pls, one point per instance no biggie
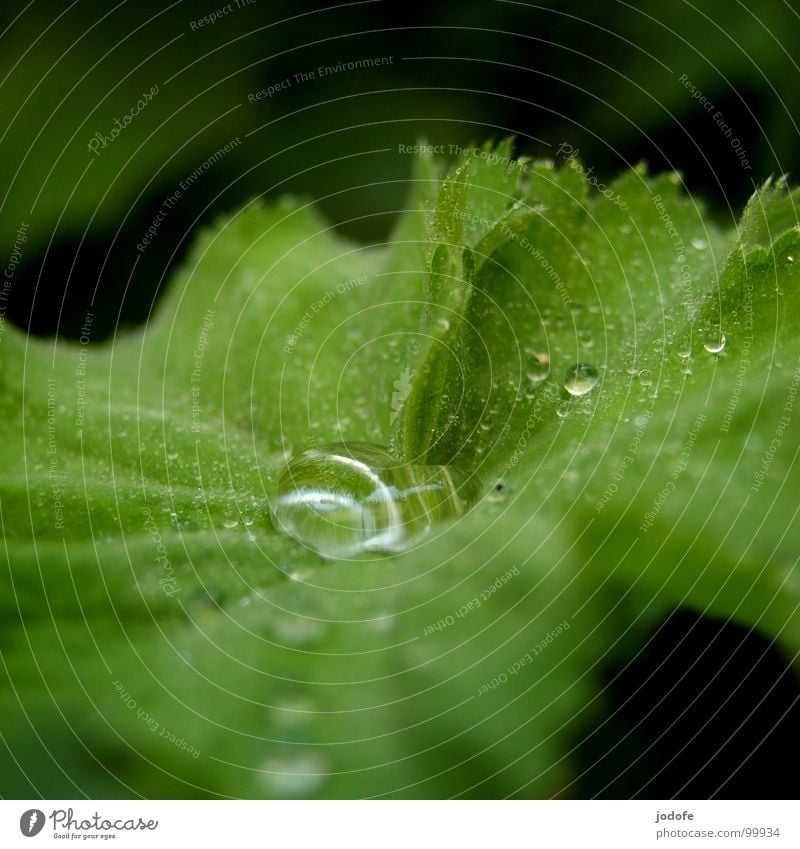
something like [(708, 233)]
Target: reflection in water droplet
[(699, 244), (580, 379), (296, 776), (715, 342), (347, 498), (538, 367)]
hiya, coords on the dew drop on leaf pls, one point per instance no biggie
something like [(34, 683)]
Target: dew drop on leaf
[(538, 368), (350, 497), (580, 379), (715, 342)]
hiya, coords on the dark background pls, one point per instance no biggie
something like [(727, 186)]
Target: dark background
[(602, 76)]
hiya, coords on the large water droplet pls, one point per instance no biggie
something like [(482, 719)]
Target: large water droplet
[(347, 498), (715, 342), (580, 379)]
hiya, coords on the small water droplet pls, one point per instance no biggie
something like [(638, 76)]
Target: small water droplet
[(351, 497), (230, 524), (685, 353), (580, 379), (538, 368), (699, 244), (562, 409), (715, 342), (790, 259), (173, 455), (645, 377), (442, 324)]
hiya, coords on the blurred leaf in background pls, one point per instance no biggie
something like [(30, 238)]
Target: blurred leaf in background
[(322, 100)]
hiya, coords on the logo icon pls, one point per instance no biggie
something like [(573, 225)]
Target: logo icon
[(31, 822)]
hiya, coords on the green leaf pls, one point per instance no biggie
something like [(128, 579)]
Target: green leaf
[(160, 638)]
